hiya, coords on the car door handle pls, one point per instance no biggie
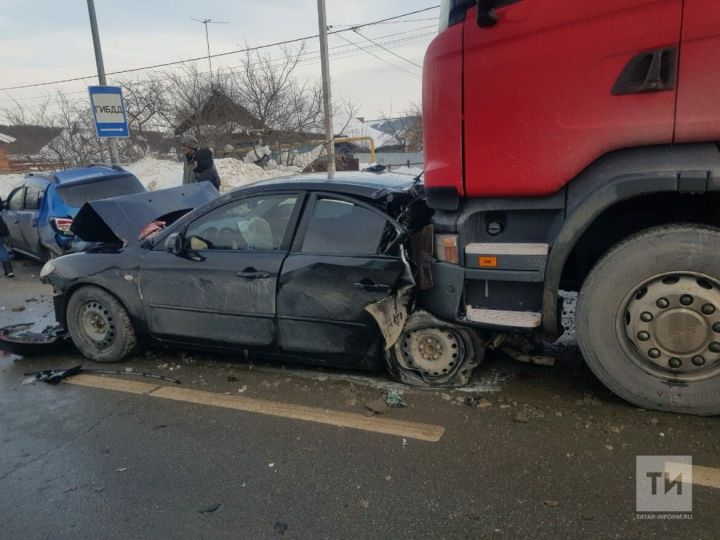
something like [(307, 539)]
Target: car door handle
[(370, 286), (251, 273)]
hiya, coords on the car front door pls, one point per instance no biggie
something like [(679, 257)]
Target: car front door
[(12, 215), (221, 288), (336, 268)]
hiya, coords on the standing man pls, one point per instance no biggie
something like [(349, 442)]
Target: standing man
[(188, 146)]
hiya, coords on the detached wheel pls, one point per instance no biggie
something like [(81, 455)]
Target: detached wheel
[(648, 319), (99, 325), (431, 352)]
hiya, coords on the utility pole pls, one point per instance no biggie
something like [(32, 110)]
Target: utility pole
[(114, 154), (327, 97), (207, 37)]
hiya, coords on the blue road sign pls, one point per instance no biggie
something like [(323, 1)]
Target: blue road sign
[(109, 111)]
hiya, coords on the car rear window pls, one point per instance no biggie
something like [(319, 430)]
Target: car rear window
[(102, 188)]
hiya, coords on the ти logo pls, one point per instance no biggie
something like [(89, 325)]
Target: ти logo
[(663, 483)]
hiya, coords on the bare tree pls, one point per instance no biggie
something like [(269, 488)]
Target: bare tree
[(146, 103), (268, 89), (406, 130)]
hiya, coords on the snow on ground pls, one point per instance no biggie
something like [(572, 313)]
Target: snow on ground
[(8, 182), (162, 173)]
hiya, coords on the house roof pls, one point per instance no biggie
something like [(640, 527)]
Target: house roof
[(29, 140), (219, 109)]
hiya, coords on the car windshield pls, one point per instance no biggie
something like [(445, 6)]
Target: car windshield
[(77, 194)]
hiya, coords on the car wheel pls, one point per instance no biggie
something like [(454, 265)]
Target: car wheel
[(431, 352), (99, 325), (648, 319)]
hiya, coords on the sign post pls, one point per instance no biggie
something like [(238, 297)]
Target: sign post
[(109, 112)]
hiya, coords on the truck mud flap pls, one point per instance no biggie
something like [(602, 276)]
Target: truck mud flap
[(21, 341)]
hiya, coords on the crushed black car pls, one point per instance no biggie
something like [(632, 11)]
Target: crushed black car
[(310, 269)]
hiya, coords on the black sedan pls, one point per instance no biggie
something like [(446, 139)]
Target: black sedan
[(314, 270)]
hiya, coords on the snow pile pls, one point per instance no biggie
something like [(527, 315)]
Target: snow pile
[(162, 173), (8, 182)]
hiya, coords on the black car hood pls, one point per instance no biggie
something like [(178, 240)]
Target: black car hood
[(120, 219)]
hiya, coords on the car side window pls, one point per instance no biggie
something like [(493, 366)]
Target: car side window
[(251, 224), (32, 198), (342, 227), (17, 197)]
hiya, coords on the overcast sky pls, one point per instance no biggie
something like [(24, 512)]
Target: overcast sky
[(46, 40)]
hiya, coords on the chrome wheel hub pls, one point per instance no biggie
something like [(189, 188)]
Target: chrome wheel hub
[(434, 352), (673, 325)]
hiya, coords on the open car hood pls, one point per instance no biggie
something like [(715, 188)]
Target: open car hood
[(120, 219)]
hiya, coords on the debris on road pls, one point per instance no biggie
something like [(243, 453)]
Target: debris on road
[(280, 527), (551, 503), (121, 469), (394, 399), (478, 402), (521, 418), (54, 376), (377, 406), (17, 309), (210, 509)]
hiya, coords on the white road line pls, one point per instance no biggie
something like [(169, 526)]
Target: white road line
[(388, 426)]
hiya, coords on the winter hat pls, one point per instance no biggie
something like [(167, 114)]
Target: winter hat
[(190, 141)]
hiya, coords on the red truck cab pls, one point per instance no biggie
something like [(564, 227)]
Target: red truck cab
[(572, 146)]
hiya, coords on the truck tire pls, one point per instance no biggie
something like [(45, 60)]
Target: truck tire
[(434, 353), (648, 319), (99, 325)]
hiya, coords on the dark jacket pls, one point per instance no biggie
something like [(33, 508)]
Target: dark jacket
[(205, 170), (3, 228)]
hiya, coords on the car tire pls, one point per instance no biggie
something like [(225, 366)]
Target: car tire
[(648, 319), (99, 325), (434, 353)]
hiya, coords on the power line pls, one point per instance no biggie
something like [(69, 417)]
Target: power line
[(379, 57), (218, 55), (339, 54), (386, 50)]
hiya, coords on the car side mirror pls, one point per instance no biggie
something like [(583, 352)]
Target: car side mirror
[(486, 16), (174, 243)]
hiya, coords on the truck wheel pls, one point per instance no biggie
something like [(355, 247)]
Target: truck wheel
[(431, 352), (99, 325), (648, 319)]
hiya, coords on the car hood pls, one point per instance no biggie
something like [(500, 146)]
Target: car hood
[(120, 219)]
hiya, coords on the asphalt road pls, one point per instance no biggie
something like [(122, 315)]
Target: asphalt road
[(547, 453)]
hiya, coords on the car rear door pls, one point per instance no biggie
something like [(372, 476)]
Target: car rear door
[(29, 217), (221, 289), (12, 215), (335, 269)]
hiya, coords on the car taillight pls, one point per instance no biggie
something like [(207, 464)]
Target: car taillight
[(446, 248), (62, 225)]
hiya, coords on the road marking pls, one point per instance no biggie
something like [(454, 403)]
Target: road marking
[(388, 426), (701, 476), (107, 383)]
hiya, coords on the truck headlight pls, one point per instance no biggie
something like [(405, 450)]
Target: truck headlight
[(48, 269)]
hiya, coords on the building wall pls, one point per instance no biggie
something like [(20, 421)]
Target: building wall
[(4, 163)]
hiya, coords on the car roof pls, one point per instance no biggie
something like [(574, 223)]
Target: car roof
[(82, 174), (359, 184)]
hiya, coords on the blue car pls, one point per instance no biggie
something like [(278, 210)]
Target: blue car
[(40, 212)]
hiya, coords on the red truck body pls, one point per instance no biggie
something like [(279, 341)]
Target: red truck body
[(572, 146), (523, 107)]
